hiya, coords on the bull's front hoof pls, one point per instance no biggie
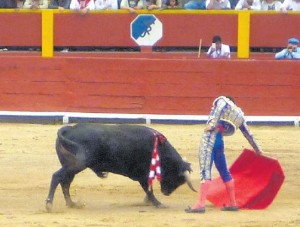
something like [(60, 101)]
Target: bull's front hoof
[(161, 206), (48, 207), (147, 201), (77, 205)]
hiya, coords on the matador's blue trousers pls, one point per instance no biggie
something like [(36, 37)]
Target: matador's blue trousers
[(217, 157)]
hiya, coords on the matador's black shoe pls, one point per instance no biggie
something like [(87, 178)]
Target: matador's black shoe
[(230, 208), (191, 210)]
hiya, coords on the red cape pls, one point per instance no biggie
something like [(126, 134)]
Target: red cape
[(257, 181)]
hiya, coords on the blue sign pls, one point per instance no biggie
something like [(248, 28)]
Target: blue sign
[(146, 29)]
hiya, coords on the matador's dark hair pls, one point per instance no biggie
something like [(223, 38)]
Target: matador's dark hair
[(231, 98)]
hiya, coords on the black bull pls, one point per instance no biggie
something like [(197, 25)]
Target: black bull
[(120, 149)]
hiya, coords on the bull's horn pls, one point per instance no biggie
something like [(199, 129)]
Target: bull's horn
[(188, 180)]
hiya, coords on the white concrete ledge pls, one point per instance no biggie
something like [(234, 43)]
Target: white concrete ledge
[(72, 117)]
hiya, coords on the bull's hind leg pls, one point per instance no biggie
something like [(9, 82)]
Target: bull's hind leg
[(56, 179), (65, 178), (65, 186)]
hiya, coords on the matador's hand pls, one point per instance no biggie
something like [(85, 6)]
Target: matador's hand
[(209, 128), (259, 152)]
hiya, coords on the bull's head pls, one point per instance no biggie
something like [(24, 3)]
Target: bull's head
[(174, 170), (171, 182)]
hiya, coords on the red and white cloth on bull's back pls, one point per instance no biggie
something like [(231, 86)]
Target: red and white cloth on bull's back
[(155, 171), (258, 179)]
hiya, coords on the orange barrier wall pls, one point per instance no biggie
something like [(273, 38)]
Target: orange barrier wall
[(181, 28), (273, 30), (114, 29), (128, 83), (20, 29)]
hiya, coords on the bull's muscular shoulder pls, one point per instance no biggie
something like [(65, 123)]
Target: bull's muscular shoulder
[(93, 131), (111, 128)]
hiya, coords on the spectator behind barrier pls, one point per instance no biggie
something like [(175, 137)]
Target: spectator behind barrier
[(218, 49), (8, 4), (218, 4), (82, 6), (233, 3), (248, 5), (271, 5), (171, 4), (153, 4), (290, 5), (35, 4), (106, 4), (291, 52), (132, 5), (194, 4), (60, 4)]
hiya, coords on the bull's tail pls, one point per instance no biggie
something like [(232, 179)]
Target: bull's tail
[(66, 143), (69, 152)]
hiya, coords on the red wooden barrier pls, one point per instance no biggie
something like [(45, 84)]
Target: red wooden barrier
[(20, 29), (273, 30), (180, 29), (93, 30), (164, 84)]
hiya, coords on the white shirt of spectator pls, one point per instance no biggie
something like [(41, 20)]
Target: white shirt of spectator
[(274, 5), (219, 4), (131, 3), (293, 5), (106, 4), (219, 53)]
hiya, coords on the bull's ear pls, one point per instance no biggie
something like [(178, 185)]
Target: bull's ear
[(190, 167), (187, 166)]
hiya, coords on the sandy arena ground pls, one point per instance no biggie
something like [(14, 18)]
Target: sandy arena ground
[(28, 160)]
